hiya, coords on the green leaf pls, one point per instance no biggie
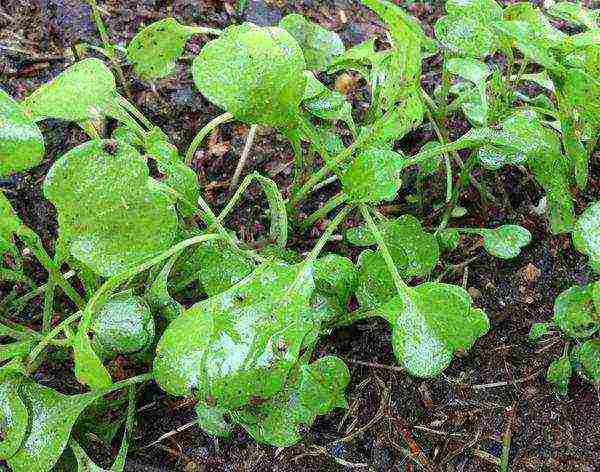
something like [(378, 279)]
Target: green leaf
[(448, 239), (430, 323), (559, 373), (89, 369), (373, 176), (467, 27), (575, 313), (538, 330), (586, 235), (109, 211), (84, 91), (254, 73), (221, 266), (314, 389), (13, 413), (22, 143), (9, 226), (52, 416), (335, 279), (329, 106), (278, 231), (582, 92), (154, 50), (158, 297), (124, 324), (506, 241), (470, 69), (211, 420), (242, 343), (374, 286), (575, 13), (319, 45), (357, 58), (589, 357)]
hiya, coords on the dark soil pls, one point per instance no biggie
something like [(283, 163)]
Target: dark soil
[(456, 422)]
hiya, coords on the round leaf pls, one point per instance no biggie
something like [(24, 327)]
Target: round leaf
[(13, 415), (586, 235), (154, 50), (575, 312), (124, 325), (21, 142), (373, 176), (506, 241), (257, 74), (559, 373), (319, 45), (108, 210), (83, 91), (589, 356), (239, 344)]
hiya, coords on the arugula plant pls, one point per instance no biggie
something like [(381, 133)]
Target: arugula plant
[(138, 240)]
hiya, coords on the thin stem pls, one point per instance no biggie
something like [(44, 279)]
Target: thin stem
[(35, 244), (233, 200), (131, 108), (211, 125), (332, 203), (324, 239), (245, 153), (47, 339), (298, 162), (48, 305), (38, 291), (117, 280), (334, 162), (108, 46), (401, 286), (435, 151)]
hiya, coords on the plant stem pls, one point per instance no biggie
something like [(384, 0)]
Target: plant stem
[(333, 202), (114, 282), (21, 301), (298, 162), (435, 151), (35, 244), (132, 109), (324, 239), (401, 286), (37, 350), (108, 46), (211, 125), (245, 153), (48, 305)]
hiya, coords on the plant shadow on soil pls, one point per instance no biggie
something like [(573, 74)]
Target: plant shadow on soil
[(457, 420)]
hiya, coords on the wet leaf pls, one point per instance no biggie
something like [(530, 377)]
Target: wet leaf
[(582, 92), (13, 413), (108, 211), (9, 226), (506, 241), (278, 230), (373, 176), (575, 313), (575, 13), (211, 420), (470, 69), (21, 142), (52, 416), (89, 369), (254, 73), (158, 297), (84, 91), (559, 374), (586, 235), (318, 44), (241, 343), (374, 286), (155, 49), (335, 279), (589, 357), (314, 389), (356, 58), (467, 27), (124, 324), (220, 266), (430, 323), (538, 330), (448, 239)]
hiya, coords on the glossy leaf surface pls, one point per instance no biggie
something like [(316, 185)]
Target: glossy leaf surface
[(318, 44), (21, 142), (108, 210), (241, 343), (84, 91), (575, 313), (254, 73), (586, 235), (155, 49), (506, 241)]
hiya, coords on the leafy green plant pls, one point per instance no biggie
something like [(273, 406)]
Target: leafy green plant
[(139, 237)]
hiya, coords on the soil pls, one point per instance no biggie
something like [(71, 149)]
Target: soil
[(456, 422)]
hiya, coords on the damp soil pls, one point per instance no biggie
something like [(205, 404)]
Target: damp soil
[(456, 422)]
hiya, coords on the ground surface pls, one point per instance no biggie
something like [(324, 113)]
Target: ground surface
[(457, 421)]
